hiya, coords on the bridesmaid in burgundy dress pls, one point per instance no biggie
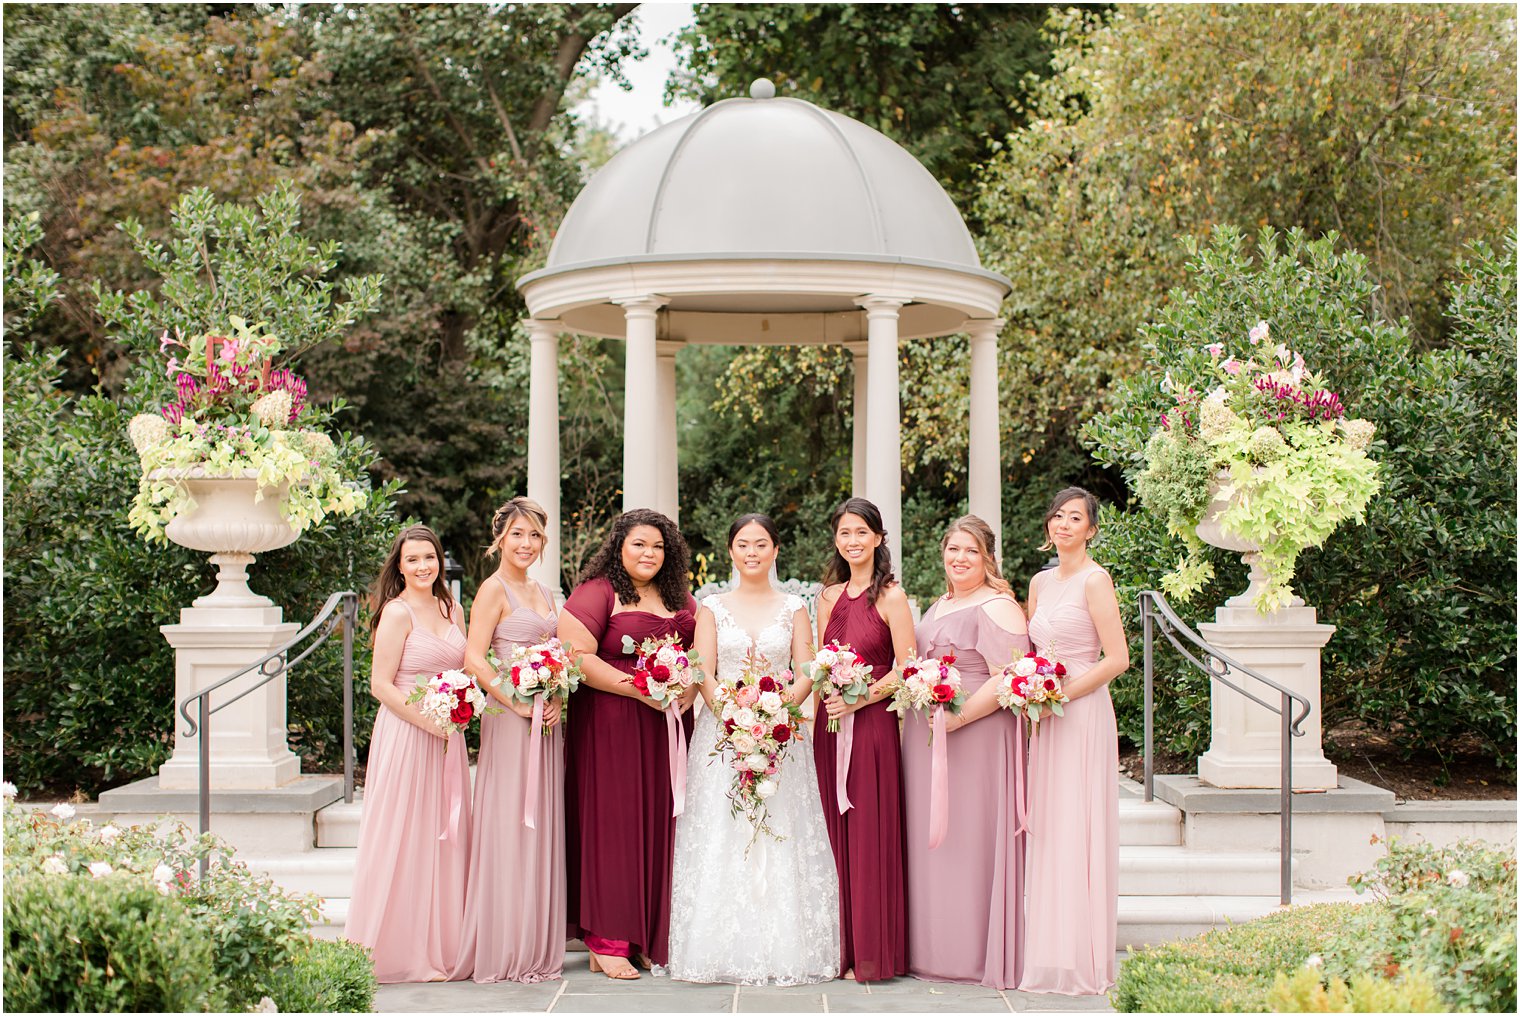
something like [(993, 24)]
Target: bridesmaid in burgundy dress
[(514, 914), (620, 829), (863, 606)]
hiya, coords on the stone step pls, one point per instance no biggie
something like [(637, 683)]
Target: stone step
[(1144, 870), (1161, 870), (1152, 920), (1154, 824)]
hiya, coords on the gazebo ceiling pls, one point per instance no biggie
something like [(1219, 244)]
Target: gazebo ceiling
[(758, 208)]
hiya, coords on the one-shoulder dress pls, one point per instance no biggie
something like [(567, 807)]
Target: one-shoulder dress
[(1071, 901), (967, 894), (619, 830), (868, 839), (414, 832), (514, 915)]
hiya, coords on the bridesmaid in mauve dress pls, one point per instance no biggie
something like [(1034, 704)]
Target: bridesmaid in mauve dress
[(514, 914), (863, 606), (1072, 875), (414, 833), (967, 894), (620, 824)]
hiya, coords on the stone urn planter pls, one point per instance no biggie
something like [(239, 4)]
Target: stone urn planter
[(232, 520), (1210, 532)]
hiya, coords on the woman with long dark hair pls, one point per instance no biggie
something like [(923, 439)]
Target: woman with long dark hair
[(414, 835), (860, 768), (620, 825)]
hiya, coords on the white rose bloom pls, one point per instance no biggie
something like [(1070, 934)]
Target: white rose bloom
[(743, 742), (765, 788), (8, 790), (1025, 667), (62, 811), (770, 702), (758, 763), (667, 655), (163, 873), (745, 717), (826, 658), (1314, 962), (109, 833), (1457, 878), (657, 689), (55, 865), (100, 869), (266, 1004)]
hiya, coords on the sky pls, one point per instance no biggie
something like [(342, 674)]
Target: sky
[(633, 114)]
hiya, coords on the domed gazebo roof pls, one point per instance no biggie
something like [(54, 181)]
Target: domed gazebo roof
[(771, 180)]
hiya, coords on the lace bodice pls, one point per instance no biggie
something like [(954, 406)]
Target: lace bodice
[(773, 644)]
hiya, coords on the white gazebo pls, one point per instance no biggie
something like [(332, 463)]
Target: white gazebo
[(762, 221)]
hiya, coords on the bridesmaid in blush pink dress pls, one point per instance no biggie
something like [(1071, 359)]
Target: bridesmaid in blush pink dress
[(620, 820), (862, 605), (409, 878), (514, 914), (966, 895), (1072, 875)]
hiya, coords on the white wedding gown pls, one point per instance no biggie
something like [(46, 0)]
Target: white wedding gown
[(771, 917)]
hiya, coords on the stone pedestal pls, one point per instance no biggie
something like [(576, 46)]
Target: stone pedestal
[(1245, 750), (248, 749)]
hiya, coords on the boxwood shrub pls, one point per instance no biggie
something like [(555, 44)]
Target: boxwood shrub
[(326, 977)]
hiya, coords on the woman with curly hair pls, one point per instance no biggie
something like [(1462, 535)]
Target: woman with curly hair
[(620, 829)]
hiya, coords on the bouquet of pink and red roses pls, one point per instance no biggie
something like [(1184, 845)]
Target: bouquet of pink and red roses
[(1031, 685), (759, 722), (545, 669), (927, 684), (663, 669), (450, 699), (838, 670)]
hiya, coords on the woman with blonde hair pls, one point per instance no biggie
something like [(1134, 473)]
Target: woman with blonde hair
[(968, 929), (514, 923)]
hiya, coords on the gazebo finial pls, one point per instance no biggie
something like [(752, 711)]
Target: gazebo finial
[(762, 88)]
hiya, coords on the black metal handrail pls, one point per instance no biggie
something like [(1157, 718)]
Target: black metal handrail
[(1154, 612), (271, 666)]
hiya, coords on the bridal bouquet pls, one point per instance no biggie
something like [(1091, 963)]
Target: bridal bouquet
[(1032, 685), (543, 669), (662, 668), (928, 684), (759, 722), (451, 700), (837, 670)]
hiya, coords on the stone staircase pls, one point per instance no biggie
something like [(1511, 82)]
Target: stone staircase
[(1166, 890)]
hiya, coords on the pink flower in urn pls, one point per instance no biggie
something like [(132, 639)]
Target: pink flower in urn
[(1215, 349), (229, 351), (1258, 333), (1231, 366)]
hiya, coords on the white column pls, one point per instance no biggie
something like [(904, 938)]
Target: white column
[(984, 474), (884, 418), (860, 359), (641, 389), (543, 441), (669, 500)]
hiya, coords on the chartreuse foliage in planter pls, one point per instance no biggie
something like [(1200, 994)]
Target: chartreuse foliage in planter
[(1439, 936), (113, 919)]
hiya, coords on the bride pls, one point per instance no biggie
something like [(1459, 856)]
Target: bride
[(771, 915)]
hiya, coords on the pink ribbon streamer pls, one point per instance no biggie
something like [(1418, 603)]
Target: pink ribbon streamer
[(939, 781), (1020, 781), (456, 787), (535, 754), (842, 749), (677, 761)]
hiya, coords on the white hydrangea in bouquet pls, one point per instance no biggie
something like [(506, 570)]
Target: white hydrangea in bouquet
[(545, 669), (1033, 686), (760, 722), (663, 668), (928, 684), (450, 699), (838, 670)]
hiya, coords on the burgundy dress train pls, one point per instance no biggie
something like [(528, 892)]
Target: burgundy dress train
[(619, 831), (868, 840)]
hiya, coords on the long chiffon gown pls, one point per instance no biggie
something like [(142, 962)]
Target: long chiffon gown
[(1072, 875), (514, 913), (619, 830), (414, 832), (967, 894), (868, 840)]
